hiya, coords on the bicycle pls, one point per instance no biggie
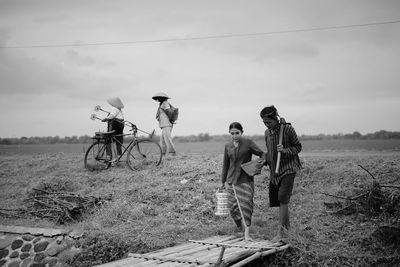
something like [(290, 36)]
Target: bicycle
[(141, 153)]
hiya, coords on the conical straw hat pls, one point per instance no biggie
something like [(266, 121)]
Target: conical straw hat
[(115, 102), (160, 95)]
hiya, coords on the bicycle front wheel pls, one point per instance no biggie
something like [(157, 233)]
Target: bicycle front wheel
[(144, 154), (98, 157)]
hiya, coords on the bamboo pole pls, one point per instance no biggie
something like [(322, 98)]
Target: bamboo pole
[(247, 245), (202, 250), (193, 252), (235, 239), (260, 254), (168, 259), (221, 255), (233, 250), (278, 160), (199, 246), (272, 251), (237, 256), (246, 228), (248, 259), (210, 255), (172, 250), (175, 264), (211, 240), (125, 262)]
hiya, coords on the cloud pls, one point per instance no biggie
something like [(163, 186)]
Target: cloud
[(76, 59), (52, 19)]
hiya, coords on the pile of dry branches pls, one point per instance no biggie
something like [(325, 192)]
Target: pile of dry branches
[(371, 202), (60, 207)]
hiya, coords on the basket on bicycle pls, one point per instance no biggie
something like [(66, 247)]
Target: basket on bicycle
[(102, 135)]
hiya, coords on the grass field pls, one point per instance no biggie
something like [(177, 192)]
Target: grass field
[(153, 209)]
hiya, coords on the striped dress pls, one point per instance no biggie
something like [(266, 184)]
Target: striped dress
[(290, 162), (240, 200), (239, 181)]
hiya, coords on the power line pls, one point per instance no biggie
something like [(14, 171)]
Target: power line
[(234, 35)]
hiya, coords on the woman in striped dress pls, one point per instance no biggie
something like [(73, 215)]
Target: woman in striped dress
[(240, 185)]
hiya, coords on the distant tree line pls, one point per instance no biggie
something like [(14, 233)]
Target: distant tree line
[(202, 137), (355, 136)]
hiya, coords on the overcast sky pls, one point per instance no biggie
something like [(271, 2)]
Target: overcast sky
[(322, 81)]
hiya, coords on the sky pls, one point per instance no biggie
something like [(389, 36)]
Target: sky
[(219, 61)]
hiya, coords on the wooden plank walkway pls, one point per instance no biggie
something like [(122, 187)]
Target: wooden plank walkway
[(213, 251)]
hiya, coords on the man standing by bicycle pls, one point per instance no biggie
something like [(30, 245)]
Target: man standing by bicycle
[(162, 116), (115, 121)]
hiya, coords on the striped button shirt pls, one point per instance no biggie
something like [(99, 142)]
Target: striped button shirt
[(290, 162)]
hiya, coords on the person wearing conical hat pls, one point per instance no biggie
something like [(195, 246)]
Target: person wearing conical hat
[(162, 116), (115, 121)]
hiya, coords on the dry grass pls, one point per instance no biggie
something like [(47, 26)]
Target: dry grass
[(153, 209)]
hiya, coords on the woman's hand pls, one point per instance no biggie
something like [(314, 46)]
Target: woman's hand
[(260, 164), (222, 186)]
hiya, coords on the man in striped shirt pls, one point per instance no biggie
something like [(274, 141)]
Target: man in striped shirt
[(281, 178)]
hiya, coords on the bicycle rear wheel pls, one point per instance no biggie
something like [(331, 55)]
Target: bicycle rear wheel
[(144, 154), (98, 157)]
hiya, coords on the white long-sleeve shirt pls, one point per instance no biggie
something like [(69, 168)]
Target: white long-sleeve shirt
[(115, 114)]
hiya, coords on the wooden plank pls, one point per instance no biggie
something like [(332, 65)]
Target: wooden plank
[(237, 256), (124, 262), (274, 250), (191, 252), (267, 243), (175, 254), (258, 255), (177, 259), (170, 250), (247, 260), (221, 255), (201, 249), (244, 244), (213, 255), (214, 240), (173, 264), (146, 263), (233, 251), (210, 252), (204, 255), (218, 237), (233, 240)]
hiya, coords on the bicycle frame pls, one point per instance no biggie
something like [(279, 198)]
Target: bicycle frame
[(146, 154), (125, 148)]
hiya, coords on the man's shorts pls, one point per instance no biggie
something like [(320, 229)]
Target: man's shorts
[(281, 193)]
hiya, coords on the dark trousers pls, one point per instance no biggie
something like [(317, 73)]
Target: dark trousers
[(117, 126)]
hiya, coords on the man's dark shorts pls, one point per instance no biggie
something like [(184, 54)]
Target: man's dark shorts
[(281, 193)]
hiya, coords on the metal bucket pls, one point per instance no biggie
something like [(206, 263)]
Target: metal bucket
[(222, 203)]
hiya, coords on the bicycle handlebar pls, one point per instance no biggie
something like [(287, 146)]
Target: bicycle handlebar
[(134, 129)]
